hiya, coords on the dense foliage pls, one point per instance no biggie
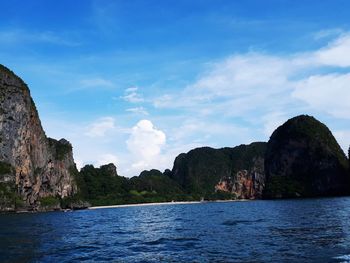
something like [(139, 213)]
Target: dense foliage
[(60, 148), (304, 159), (103, 186), (9, 197), (5, 168), (201, 169)]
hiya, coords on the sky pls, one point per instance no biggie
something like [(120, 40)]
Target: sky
[(138, 82)]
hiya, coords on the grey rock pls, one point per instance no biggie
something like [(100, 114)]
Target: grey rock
[(40, 165)]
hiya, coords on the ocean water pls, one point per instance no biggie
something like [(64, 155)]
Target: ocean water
[(310, 230)]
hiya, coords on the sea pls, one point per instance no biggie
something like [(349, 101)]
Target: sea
[(303, 230)]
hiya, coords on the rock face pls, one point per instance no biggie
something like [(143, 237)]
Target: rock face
[(304, 159), (238, 170), (109, 169), (245, 184), (36, 167)]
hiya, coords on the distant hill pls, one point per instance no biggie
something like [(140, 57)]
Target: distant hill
[(303, 159), (238, 170)]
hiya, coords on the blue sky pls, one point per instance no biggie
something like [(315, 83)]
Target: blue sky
[(138, 82)]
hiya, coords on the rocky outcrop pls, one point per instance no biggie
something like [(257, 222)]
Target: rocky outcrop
[(34, 167), (303, 159), (245, 184), (110, 169), (238, 170)]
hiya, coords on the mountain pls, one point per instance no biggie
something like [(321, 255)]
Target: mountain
[(35, 171), (157, 182), (238, 171), (303, 159), (103, 186)]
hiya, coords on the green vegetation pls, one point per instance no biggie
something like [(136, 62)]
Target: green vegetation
[(196, 175), (60, 148), (102, 186), (5, 168), (5, 70), (304, 159), (9, 199), (220, 195), (201, 169), (281, 187), (49, 201)]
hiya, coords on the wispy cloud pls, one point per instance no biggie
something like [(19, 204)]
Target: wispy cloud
[(259, 83), (239, 99), (131, 95), (21, 36), (101, 127), (138, 110), (327, 33), (96, 82)]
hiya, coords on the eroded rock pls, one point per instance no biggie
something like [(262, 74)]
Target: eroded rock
[(40, 166)]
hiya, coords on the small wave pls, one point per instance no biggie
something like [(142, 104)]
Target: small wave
[(237, 222), (343, 258), (167, 240)]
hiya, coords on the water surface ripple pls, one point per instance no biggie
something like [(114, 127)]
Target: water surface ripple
[(310, 230)]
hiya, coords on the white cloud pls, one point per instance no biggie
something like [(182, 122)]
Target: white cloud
[(272, 121), (20, 36), (145, 140), (239, 99), (131, 95), (234, 79), (329, 93), (138, 110), (343, 138), (96, 82), (260, 84), (337, 53), (145, 144), (328, 33), (101, 127), (106, 159), (239, 75)]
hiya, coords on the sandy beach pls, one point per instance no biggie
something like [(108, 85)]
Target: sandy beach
[(164, 203)]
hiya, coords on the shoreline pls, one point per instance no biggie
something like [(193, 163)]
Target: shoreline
[(164, 203)]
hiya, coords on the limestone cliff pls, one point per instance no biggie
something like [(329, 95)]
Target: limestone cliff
[(303, 159), (238, 170), (34, 166), (245, 184)]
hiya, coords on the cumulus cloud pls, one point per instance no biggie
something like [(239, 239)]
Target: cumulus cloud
[(145, 140), (145, 144), (236, 100), (100, 127), (131, 95)]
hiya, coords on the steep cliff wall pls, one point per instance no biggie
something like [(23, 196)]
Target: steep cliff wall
[(238, 170), (303, 159), (245, 184), (36, 166)]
